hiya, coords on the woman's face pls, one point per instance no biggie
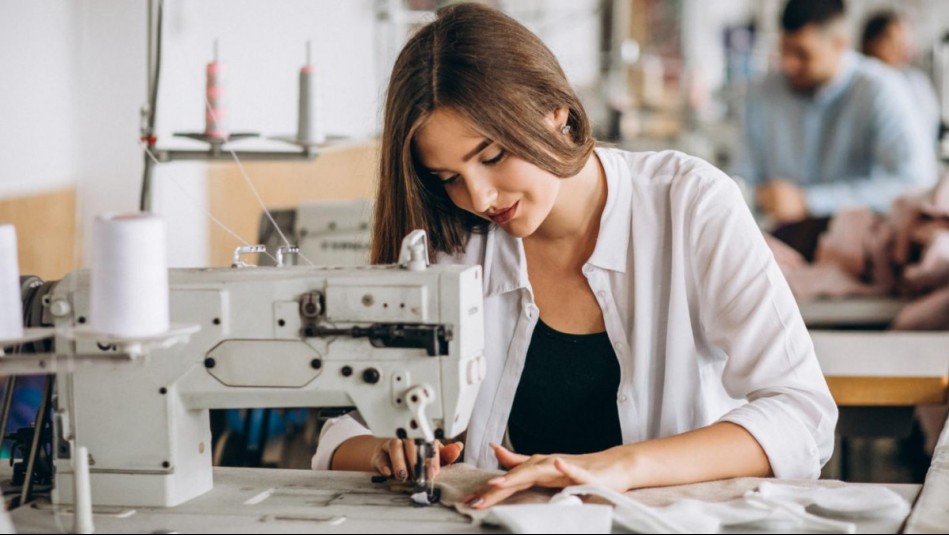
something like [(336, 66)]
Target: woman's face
[(481, 177)]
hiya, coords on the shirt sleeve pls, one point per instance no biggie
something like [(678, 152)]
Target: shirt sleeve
[(336, 431), (747, 310), (902, 157)]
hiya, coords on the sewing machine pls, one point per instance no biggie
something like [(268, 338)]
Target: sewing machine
[(403, 345), (328, 233)]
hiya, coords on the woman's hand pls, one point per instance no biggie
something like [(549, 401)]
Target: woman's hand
[(390, 457), (611, 468), (396, 457)]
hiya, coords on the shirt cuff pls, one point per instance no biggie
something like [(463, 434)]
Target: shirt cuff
[(335, 432), (789, 444)]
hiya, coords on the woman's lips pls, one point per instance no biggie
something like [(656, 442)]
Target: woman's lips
[(505, 215)]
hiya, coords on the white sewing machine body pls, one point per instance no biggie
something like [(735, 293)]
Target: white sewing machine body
[(270, 337)]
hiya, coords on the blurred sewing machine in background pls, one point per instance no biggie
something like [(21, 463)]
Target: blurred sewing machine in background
[(328, 233)]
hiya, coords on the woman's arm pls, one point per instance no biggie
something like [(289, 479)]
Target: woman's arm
[(720, 451)]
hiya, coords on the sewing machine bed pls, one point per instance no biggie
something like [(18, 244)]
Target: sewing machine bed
[(297, 501)]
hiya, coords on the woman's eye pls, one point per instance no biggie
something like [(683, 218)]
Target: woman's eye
[(495, 159), (448, 181)]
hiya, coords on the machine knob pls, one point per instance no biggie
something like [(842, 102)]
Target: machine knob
[(60, 308), (371, 376)]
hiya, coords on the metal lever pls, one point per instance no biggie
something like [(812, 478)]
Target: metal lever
[(414, 253), (236, 261), (285, 250)]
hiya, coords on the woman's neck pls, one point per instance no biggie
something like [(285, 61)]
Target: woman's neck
[(575, 216)]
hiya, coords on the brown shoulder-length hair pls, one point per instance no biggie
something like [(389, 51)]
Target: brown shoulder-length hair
[(501, 79)]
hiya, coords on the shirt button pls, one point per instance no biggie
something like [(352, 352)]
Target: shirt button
[(602, 294), (587, 269), (619, 346), (622, 398)]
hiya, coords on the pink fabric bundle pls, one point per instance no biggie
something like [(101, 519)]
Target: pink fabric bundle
[(863, 254)]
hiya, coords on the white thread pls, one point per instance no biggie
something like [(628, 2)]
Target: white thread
[(197, 205), (253, 189)]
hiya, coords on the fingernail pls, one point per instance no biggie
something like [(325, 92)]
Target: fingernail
[(476, 503), (402, 475), (497, 481), (493, 445)]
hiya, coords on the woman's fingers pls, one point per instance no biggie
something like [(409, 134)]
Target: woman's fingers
[(380, 463), (493, 495), (542, 472), (577, 475), (396, 453), (508, 458), (450, 453), (411, 455)]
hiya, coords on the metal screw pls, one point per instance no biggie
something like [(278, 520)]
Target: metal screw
[(209, 363)]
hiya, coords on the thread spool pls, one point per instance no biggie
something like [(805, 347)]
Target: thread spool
[(11, 304), (309, 112), (129, 291), (215, 110)]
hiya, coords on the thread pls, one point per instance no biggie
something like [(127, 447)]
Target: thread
[(215, 119), (11, 304), (310, 109), (129, 290)]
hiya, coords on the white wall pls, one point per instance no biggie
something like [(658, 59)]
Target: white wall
[(39, 65), (73, 77)]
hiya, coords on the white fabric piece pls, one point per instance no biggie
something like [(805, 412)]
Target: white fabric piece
[(560, 517), (695, 516), (701, 319), (852, 501)]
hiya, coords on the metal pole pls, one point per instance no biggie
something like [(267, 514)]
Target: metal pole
[(148, 113), (37, 434)]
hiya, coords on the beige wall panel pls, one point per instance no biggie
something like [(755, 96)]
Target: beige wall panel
[(46, 231)]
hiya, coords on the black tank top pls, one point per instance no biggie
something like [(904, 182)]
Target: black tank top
[(566, 399)]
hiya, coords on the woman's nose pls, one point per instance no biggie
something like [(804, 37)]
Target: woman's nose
[(483, 195)]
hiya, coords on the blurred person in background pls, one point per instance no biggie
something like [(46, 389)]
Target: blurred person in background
[(886, 37), (831, 128)]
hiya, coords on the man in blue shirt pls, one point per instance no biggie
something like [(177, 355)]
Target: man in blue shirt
[(832, 128)]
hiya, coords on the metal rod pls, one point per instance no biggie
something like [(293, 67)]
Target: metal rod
[(145, 202), (37, 433), (7, 404), (208, 155)]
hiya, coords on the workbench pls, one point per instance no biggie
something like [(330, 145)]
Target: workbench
[(300, 501)]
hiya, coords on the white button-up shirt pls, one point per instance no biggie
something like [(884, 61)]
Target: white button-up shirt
[(703, 323)]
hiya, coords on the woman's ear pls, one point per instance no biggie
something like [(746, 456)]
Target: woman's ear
[(557, 118)]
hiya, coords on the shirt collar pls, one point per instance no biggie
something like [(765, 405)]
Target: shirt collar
[(505, 264), (840, 82), (612, 243)]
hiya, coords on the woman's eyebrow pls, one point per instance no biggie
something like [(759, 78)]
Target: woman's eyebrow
[(481, 146)]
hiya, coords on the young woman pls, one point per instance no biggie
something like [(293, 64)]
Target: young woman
[(638, 331)]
